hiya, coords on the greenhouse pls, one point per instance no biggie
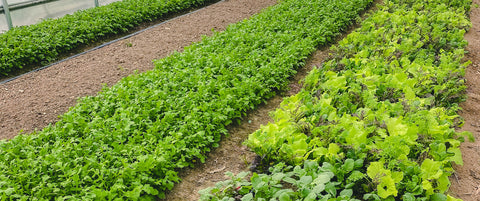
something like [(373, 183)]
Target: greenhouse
[(26, 12), (251, 100)]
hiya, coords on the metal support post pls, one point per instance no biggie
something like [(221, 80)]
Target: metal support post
[(7, 14), (96, 3)]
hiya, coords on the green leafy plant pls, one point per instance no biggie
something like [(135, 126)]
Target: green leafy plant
[(389, 96), (129, 141), (310, 181)]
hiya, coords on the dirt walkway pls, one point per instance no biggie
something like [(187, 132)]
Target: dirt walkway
[(37, 99), (466, 180)]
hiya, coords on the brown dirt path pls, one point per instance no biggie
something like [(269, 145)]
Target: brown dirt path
[(466, 179), (37, 99)]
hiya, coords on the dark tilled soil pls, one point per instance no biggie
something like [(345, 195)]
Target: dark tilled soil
[(466, 179), (37, 99)]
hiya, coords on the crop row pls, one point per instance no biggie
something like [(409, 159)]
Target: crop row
[(129, 141), (378, 119), (43, 42)]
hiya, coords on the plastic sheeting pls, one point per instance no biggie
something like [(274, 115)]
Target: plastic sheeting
[(36, 13)]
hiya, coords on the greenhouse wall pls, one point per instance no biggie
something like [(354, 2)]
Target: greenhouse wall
[(37, 12)]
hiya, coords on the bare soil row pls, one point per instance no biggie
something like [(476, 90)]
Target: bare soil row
[(466, 179)]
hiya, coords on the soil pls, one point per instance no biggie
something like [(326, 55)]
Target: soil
[(37, 99), (466, 179)]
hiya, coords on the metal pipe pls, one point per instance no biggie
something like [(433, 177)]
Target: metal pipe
[(24, 4), (7, 14), (96, 3)]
